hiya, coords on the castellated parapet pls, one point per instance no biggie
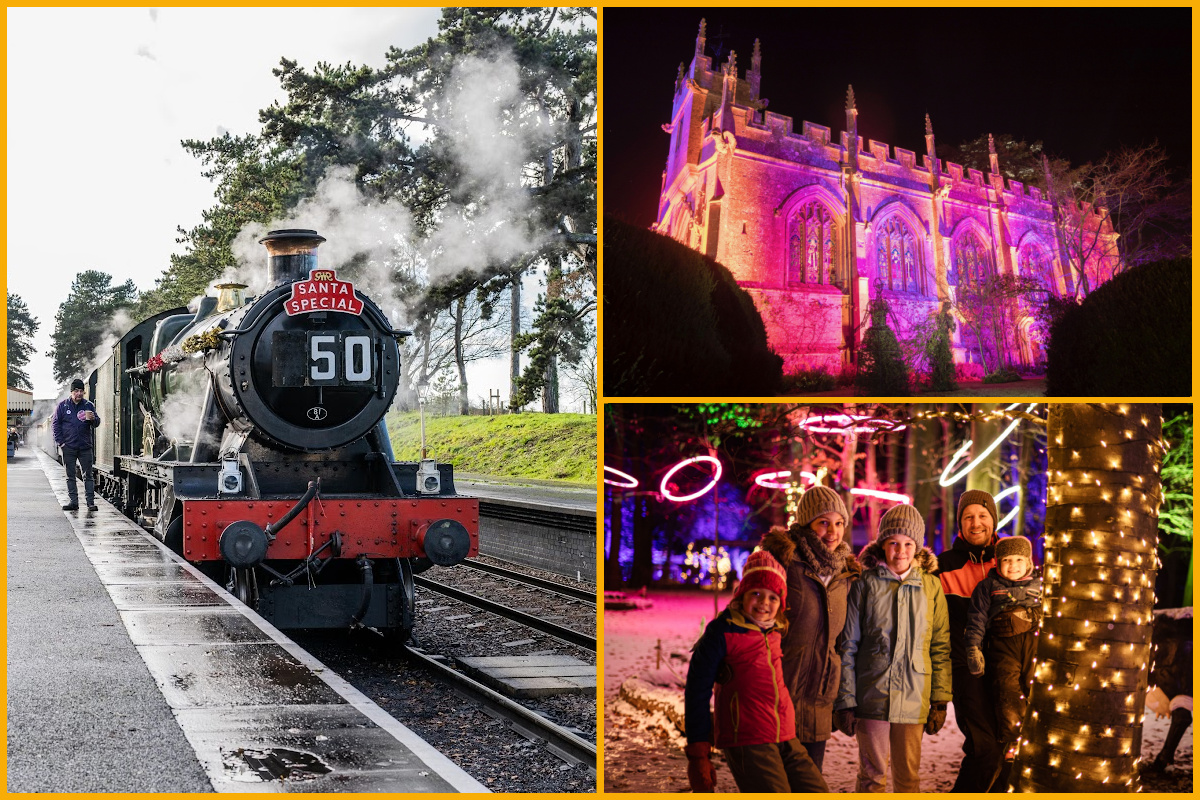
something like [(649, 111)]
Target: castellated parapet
[(814, 225)]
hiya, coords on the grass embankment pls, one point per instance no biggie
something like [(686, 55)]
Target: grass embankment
[(558, 447)]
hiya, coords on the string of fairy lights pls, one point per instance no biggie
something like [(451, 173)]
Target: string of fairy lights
[(1086, 702)]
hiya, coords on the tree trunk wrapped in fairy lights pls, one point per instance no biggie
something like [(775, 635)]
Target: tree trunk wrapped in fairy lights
[(1083, 728)]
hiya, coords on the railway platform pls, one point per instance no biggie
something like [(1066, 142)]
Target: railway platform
[(129, 671)]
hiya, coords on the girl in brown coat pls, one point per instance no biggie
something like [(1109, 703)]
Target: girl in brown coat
[(820, 569)]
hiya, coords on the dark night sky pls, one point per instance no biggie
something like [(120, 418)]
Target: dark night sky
[(1084, 81)]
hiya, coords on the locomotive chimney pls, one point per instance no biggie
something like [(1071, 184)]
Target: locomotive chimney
[(293, 254)]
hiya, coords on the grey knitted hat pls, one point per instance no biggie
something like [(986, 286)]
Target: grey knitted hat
[(817, 501), (1014, 546), (905, 520)]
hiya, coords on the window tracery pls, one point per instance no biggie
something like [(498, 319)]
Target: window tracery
[(898, 258), (812, 247)]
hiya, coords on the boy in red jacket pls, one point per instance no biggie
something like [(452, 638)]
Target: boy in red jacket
[(740, 654)]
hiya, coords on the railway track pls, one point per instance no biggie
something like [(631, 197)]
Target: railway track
[(560, 632), (531, 739), (558, 740), (531, 580)]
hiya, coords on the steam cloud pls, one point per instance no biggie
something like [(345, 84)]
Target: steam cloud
[(488, 133)]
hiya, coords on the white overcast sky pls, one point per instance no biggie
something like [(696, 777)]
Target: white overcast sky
[(98, 101)]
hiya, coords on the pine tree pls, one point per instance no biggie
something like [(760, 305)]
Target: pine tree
[(84, 318), (881, 369), (22, 325)]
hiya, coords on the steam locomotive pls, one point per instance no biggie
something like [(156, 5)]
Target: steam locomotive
[(249, 436)]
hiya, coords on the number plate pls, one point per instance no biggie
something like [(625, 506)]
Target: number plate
[(323, 358)]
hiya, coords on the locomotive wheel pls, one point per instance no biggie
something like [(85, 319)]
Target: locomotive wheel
[(243, 585), (174, 538), (398, 636)]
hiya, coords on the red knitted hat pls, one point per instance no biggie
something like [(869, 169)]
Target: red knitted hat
[(763, 571)]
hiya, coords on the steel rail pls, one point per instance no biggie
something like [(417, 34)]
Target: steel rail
[(541, 583), (557, 631), (558, 740)]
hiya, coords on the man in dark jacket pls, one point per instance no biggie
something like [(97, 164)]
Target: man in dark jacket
[(960, 569), (74, 424)]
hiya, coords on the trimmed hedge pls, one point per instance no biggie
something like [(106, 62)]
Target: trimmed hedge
[(676, 323), (1131, 337)]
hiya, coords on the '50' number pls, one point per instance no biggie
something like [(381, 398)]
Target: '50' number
[(336, 359)]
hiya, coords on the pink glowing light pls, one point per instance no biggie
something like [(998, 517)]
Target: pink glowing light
[(633, 482), (769, 480), (881, 495), (847, 423), (716, 477)]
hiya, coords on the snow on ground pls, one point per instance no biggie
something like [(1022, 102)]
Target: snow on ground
[(643, 751)]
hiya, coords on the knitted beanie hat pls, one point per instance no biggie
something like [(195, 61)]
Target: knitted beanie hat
[(763, 571), (76, 384), (905, 520), (977, 497), (1014, 546), (817, 501)]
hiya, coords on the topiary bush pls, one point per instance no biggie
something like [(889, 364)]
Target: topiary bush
[(808, 380), (881, 369), (676, 323), (1131, 337), (1002, 375), (938, 354)]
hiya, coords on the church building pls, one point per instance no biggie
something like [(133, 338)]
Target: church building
[(814, 228)]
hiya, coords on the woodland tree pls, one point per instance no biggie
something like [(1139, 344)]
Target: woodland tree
[(22, 326), (85, 318)]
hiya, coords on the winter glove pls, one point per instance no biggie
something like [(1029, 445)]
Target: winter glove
[(937, 718), (702, 776), (975, 660), (844, 721)]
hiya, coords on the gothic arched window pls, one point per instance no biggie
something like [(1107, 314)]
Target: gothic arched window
[(898, 259), (811, 238), (1036, 265), (971, 262)]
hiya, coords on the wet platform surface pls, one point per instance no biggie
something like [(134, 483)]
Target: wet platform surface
[(230, 704)]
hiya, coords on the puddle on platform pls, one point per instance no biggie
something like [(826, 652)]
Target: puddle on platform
[(276, 764)]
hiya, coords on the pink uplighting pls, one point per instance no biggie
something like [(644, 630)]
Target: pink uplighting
[(770, 480), (844, 423), (684, 498), (632, 481)]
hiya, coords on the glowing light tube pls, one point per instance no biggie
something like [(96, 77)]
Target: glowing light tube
[(1016, 508), (824, 423), (632, 481), (683, 499), (769, 480), (882, 495), (944, 481)]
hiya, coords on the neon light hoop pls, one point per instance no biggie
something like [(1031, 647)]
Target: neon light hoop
[(817, 424), (767, 480), (716, 477), (944, 481), (633, 482), (881, 495)]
